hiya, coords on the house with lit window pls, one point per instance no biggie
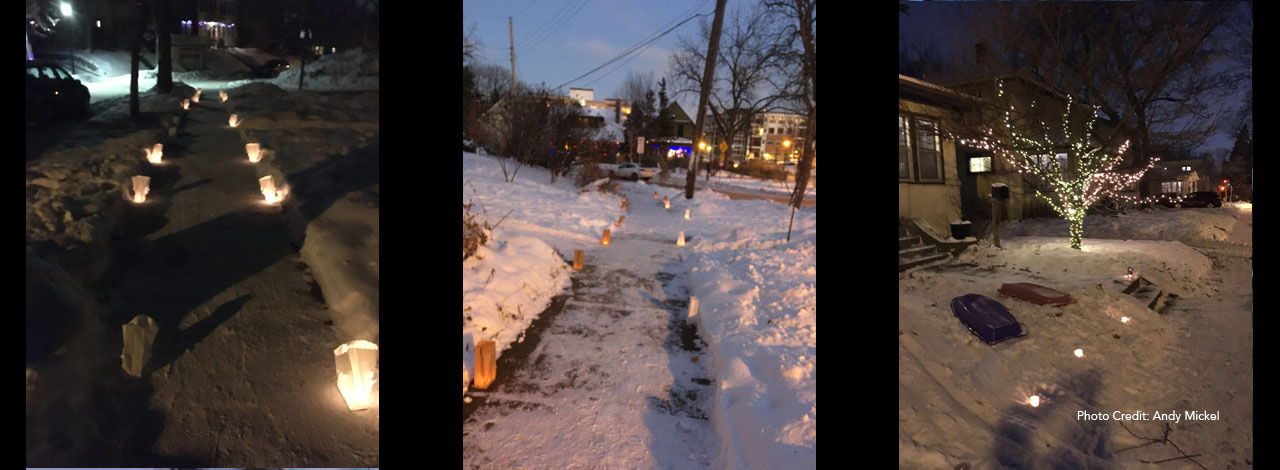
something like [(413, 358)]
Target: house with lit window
[(928, 174), (1177, 177), (676, 142), (1033, 102)]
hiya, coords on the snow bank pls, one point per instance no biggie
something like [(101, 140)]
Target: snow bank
[(352, 69), (509, 282), (1192, 224), (341, 249), (758, 314), (504, 287)]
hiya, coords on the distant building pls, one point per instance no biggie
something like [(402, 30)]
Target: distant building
[(585, 97), (776, 137)]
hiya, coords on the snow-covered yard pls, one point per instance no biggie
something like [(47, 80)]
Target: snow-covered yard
[(963, 401), (757, 317)]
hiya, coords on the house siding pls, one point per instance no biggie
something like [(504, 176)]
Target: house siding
[(937, 204)]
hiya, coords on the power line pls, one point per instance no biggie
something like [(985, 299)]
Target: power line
[(557, 29), (642, 44), (544, 26)]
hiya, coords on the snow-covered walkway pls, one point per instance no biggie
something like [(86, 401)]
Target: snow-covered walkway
[(242, 372), (616, 372)]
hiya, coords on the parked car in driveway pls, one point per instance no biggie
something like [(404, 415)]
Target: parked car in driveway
[(53, 93)]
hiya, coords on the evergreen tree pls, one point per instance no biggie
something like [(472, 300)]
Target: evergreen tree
[(1239, 166), (640, 121)]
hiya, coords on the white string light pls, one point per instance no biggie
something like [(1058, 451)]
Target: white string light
[(1095, 177)]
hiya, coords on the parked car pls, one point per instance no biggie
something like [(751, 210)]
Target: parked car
[(52, 93), (1196, 199), (1202, 199), (271, 68), (631, 171)]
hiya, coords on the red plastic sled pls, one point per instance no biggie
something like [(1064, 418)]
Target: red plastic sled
[(1036, 294)]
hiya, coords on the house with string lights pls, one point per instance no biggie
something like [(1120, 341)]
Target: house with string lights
[(1034, 106)]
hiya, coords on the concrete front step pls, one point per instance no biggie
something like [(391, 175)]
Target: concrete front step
[(917, 251), (904, 242), (905, 264)]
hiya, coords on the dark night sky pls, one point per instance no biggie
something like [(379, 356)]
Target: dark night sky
[(932, 21)]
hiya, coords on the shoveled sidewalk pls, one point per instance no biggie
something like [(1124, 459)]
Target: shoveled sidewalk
[(242, 373), (614, 379)]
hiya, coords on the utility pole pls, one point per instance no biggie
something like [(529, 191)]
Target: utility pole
[(708, 75), (511, 33)]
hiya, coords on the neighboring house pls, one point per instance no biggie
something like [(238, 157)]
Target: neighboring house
[(928, 180), (605, 138), (1177, 177), (677, 139)]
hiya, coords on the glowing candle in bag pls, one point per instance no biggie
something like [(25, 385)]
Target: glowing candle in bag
[(254, 152), (686, 214), (223, 94), (680, 241), (186, 104), (234, 120), (141, 186), (154, 153), (356, 363)]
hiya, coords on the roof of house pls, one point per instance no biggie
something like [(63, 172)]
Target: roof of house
[(966, 79), (917, 86), (677, 113), (610, 131)]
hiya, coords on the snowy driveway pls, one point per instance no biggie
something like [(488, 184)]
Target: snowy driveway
[(615, 379)]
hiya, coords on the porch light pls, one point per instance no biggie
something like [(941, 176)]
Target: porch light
[(356, 363)]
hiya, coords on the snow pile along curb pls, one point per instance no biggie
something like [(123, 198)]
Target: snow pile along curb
[(504, 287), (758, 315)]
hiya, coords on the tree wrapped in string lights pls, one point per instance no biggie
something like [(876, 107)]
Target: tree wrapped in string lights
[(1093, 172)]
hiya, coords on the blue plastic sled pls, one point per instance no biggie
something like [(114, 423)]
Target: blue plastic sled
[(986, 318)]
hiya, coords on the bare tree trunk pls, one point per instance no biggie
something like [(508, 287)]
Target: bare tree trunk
[(164, 66), (133, 63), (691, 179)]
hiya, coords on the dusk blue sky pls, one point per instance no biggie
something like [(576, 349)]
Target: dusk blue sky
[(932, 21), (557, 40)]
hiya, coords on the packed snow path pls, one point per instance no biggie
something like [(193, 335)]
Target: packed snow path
[(616, 379), (242, 373)]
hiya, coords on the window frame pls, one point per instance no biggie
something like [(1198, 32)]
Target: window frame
[(913, 153)]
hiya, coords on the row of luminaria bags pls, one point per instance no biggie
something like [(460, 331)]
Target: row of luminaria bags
[(355, 362)]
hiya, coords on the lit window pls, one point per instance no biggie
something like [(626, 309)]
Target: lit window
[(980, 165)]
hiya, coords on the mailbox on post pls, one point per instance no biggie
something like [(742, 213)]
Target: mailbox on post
[(999, 191)]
